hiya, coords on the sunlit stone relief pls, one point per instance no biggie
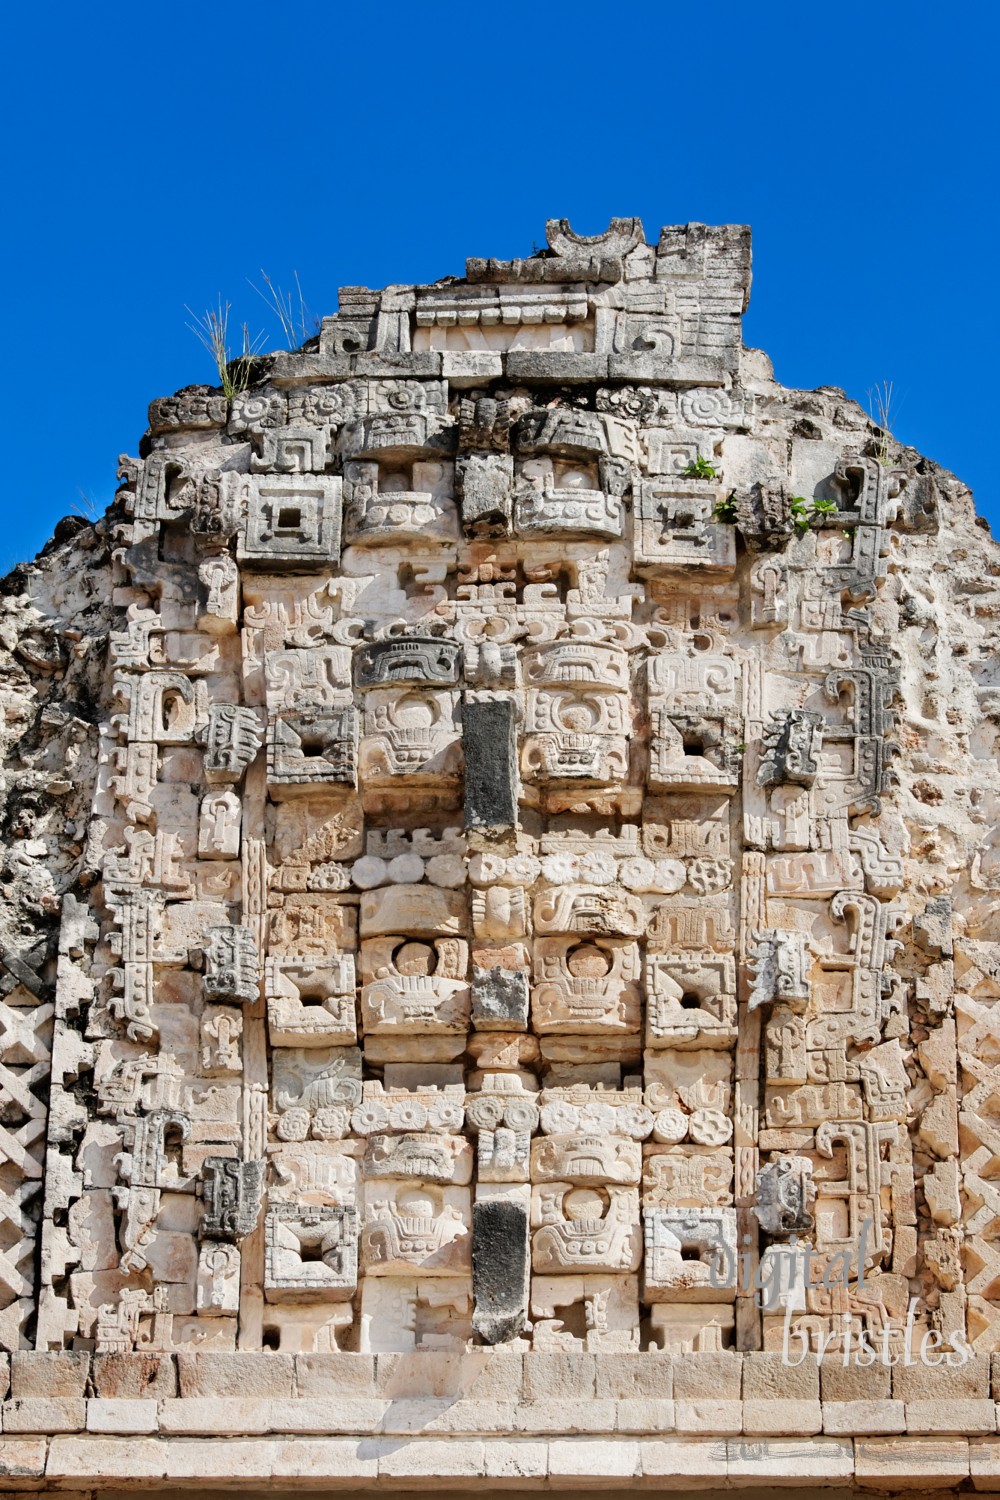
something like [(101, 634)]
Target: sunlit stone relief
[(515, 911)]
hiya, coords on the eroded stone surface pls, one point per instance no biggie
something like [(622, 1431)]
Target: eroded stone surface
[(500, 823)]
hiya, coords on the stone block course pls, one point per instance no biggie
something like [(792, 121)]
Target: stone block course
[(680, 1464), (344, 1462), (44, 1414), (644, 1414), (516, 1458), (121, 1414), (984, 1463), (704, 1415), (221, 1414), (795, 1414), (565, 1416), (482, 1375), (133, 1376), (766, 1378), (590, 1461), (960, 1416), (778, 1460), (715, 1376), (429, 1459), (643, 1376), (911, 1462), (243, 1375), (61, 1374), (846, 1417), (22, 1458), (447, 1414), (559, 1377), (92, 1459), (917, 1382), (854, 1382), (335, 1375)]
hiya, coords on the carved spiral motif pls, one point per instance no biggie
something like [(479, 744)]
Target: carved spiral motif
[(444, 1115), (559, 1119), (597, 1119), (705, 408), (484, 1112), (331, 1123), (251, 410), (293, 1125), (408, 1116), (634, 1120), (366, 1119), (670, 1126), (521, 1114)]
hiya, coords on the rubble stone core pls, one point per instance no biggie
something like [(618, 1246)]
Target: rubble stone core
[(501, 956)]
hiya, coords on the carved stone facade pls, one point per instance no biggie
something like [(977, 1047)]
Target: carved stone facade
[(541, 866)]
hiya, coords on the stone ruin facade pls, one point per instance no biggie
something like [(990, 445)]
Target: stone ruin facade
[(501, 856)]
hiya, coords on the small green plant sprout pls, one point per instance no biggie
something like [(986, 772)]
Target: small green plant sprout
[(883, 412), (297, 322), (799, 508), (725, 510), (804, 511), (212, 332), (699, 468)]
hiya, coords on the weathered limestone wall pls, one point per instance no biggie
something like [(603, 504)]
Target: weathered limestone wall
[(502, 939), (55, 615)]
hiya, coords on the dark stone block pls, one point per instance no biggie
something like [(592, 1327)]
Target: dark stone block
[(561, 365), (485, 483), (642, 365), (134, 1376), (932, 930), (500, 999), (490, 743), (423, 363), (500, 1269)]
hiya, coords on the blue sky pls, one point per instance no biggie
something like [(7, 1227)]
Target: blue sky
[(149, 167)]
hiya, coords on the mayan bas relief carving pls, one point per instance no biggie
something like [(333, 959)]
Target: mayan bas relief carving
[(514, 864)]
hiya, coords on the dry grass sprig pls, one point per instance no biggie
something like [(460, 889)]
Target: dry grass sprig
[(84, 505), (297, 322), (883, 413), (212, 332)]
